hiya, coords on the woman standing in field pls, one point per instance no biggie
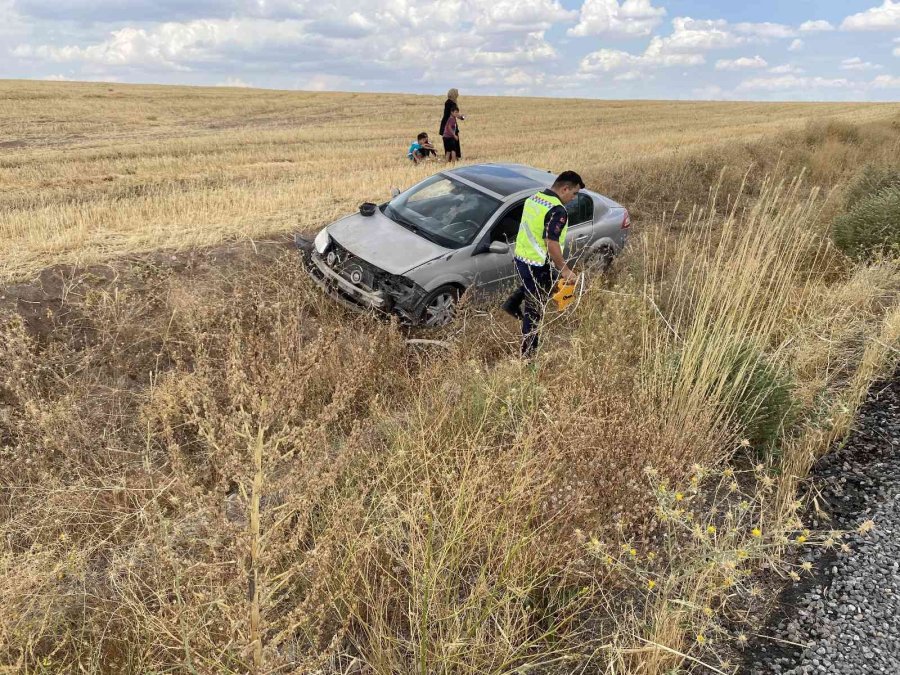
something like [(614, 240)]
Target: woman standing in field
[(449, 104)]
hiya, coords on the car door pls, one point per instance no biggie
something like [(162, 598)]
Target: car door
[(497, 270), (581, 225)]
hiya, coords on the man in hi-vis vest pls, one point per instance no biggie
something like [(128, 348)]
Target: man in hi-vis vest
[(541, 240)]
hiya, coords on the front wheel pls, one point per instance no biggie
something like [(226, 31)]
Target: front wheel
[(440, 307)]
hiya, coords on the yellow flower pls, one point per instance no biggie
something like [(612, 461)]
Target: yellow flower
[(728, 473), (632, 552), (742, 639), (701, 638), (63, 536), (711, 529), (728, 582), (651, 556), (742, 554), (679, 496), (793, 575), (608, 560), (801, 539), (756, 532), (651, 584), (807, 566), (708, 611), (828, 543), (733, 486)]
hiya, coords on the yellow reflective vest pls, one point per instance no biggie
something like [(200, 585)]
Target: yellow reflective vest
[(530, 244)]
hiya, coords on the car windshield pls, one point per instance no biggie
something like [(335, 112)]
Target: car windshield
[(443, 210)]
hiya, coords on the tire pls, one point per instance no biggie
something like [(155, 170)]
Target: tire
[(601, 258), (439, 307)]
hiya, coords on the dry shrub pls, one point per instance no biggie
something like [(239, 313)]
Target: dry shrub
[(233, 475)]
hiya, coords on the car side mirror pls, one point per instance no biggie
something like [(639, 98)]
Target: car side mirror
[(395, 191), (499, 247)]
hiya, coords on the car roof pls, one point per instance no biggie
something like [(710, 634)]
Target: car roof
[(504, 179), (513, 181)]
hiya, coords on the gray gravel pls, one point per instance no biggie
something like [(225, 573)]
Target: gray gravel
[(846, 617)]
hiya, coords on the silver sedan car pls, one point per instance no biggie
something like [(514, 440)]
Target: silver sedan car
[(416, 254)]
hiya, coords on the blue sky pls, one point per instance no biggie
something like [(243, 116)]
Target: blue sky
[(659, 49)]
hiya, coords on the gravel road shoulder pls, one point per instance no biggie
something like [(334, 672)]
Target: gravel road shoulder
[(845, 618)]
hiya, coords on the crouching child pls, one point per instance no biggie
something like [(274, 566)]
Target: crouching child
[(420, 149)]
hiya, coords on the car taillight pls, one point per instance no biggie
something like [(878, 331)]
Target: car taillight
[(626, 221)]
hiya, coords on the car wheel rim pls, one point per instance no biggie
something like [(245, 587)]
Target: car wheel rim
[(440, 310)]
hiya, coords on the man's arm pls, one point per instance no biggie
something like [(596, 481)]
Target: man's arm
[(553, 227), (555, 251)]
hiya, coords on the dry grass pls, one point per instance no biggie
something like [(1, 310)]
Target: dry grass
[(214, 470), (92, 171)]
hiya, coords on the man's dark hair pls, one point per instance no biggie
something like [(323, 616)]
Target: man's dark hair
[(421, 136), (454, 108), (569, 178)]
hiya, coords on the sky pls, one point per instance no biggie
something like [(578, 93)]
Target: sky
[(834, 50)]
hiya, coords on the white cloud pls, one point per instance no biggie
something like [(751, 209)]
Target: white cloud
[(816, 26), (857, 63), (791, 83), (897, 48), (712, 92), (695, 35), (787, 69), (380, 40), (886, 82), (234, 82), (323, 83), (532, 49), (609, 17), (766, 30), (796, 45), (685, 46), (742, 63), (518, 16), (884, 17)]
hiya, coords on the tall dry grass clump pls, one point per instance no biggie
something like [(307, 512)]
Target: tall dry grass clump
[(227, 473)]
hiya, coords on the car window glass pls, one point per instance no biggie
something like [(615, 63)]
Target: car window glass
[(443, 209), (439, 188), (507, 228), (580, 209)]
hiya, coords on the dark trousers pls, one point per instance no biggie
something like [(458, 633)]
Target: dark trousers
[(531, 296)]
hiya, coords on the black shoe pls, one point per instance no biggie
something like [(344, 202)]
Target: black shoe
[(513, 306)]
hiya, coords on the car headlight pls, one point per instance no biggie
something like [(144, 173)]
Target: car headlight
[(322, 241)]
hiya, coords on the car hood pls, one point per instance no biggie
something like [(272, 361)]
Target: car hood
[(379, 240)]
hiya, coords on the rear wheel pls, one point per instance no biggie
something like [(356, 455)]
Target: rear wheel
[(440, 307), (600, 259)]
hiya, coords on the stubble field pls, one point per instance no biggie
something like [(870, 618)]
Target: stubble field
[(93, 171), (207, 467)]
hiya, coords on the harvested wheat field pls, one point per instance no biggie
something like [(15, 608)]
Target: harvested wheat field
[(92, 171), (208, 467)]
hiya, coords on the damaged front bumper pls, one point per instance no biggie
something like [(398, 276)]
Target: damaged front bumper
[(392, 294)]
